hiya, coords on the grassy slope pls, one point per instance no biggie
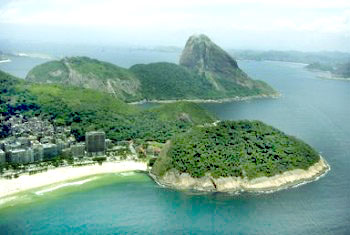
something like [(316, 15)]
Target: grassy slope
[(235, 148), (85, 109)]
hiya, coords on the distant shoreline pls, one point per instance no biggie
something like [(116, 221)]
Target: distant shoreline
[(225, 100), (24, 182), (327, 75), (271, 184), (284, 61)]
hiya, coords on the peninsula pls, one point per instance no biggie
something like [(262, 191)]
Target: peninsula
[(233, 156), (333, 72)]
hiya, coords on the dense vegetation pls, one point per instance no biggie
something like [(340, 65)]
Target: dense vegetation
[(167, 81), (85, 72), (85, 110), (235, 148)]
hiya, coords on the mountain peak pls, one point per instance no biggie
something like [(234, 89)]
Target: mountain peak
[(201, 54), (199, 37), (212, 63)]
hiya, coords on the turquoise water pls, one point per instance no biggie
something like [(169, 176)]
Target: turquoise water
[(314, 110)]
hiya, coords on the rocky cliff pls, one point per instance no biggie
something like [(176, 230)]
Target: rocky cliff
[(207, 59)]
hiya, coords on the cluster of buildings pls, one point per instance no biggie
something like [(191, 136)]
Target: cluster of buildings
[(35, 140)]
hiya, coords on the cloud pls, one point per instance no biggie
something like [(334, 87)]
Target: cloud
[(130, 17)]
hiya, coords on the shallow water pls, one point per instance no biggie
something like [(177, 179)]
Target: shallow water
[(314, 110)]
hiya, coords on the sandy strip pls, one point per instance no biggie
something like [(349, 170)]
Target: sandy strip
[(235, 184), (61, 174)]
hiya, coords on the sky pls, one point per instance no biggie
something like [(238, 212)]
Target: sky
[(306, 25)]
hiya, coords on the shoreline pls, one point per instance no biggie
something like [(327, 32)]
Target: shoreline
[(224, 100), (289, 179), (327, 75), (9, 187), (172, 179)]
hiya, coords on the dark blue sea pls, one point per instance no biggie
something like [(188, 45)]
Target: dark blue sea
[(315, 110)]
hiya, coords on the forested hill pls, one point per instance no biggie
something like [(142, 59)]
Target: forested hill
[(85, 72), (87, 109), (235, 148), (168, 81)]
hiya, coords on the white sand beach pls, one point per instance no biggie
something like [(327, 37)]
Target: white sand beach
[(25, 182)]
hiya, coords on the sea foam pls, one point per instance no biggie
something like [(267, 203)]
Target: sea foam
[(41, 192)]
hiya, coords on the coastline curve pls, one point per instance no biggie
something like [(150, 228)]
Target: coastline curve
[(289, 179)]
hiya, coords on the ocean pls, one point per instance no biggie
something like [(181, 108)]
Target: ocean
[(314, 110)]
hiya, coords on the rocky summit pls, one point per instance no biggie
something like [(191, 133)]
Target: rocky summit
[(200, 53), (207, 59)]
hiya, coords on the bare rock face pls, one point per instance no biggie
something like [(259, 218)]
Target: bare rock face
[(202, 54), (207, 59)]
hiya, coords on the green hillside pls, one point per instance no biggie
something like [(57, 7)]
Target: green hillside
[(167, 81), (235, 148), (86, 109), (90, 73)]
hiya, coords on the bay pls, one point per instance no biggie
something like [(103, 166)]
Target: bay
[(315, 110)]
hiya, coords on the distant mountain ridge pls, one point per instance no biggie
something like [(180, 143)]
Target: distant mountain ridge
[(205, 72), (322, 57)]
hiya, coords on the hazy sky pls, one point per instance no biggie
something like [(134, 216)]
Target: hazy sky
[(241, 24)]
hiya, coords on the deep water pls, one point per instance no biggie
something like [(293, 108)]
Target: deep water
[(315, 110)]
